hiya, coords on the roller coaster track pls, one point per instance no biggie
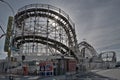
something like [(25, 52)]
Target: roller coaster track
[(41, 12), (53, 13), (84, 44), (107, 54), (43, 40)]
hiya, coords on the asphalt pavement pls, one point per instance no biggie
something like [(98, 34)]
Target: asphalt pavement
[(79, 76)]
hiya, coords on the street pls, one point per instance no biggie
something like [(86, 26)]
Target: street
[(79, 76)]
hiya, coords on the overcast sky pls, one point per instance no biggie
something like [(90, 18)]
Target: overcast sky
[(97, 21)]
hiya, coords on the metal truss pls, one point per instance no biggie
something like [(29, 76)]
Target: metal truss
[(108, 56), (84, 46), (39, 26)]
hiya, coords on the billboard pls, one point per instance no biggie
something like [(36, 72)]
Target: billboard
[(46, 68), (8, 34)]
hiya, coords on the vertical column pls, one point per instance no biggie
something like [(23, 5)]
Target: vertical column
[(47, 33)]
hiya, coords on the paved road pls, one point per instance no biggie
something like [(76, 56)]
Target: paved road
[(3, 77), (114, 73), (79, 76), (92, 76)]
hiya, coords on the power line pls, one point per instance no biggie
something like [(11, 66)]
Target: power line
[(2, 29), (9, 6)]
